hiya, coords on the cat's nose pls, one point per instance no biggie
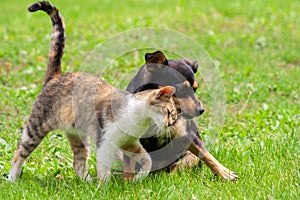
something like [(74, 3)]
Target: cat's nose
[(171, 121)]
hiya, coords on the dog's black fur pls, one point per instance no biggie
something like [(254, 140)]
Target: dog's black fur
[(157, 72)]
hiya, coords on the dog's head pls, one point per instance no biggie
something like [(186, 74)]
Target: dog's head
[(158, 71)]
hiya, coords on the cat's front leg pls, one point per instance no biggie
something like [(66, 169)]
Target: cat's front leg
[(105, 154)]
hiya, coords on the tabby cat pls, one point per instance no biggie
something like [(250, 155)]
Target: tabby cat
[(83, 105)]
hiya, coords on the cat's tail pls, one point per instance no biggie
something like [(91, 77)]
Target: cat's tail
[(57, 41)]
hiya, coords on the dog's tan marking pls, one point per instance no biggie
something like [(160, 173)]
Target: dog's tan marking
[(215, 166), (129, 169), (195, 85), (188, 105), (129, 164), (137, 154), (187, 84)]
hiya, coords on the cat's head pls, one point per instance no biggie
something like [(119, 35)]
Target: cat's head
[(162, 109)]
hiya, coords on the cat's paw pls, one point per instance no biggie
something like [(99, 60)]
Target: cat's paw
[(11, 178), (87, 177), (140, 176), (14, 175)]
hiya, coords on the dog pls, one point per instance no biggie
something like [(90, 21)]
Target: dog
[(185, 142)]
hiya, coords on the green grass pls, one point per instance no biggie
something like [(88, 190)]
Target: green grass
[(257, 46)]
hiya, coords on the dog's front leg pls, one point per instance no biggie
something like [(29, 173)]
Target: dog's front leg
[(197, 147), (129, 166)]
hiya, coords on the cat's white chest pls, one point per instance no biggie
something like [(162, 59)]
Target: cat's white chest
[(129, 126), (123, 132)]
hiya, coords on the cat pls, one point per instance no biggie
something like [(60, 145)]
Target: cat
[(83, 106)]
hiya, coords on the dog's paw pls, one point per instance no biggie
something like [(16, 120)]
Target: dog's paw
[(218, 169), (226, 174), (127, 176)]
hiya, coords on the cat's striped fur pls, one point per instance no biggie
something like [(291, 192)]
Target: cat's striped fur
[(83, 105), (58, 38)]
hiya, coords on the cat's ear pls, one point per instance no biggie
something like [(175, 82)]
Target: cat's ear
[(155, 59), (165, 92)]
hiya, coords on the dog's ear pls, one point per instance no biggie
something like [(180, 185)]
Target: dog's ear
[(156, 57), (193, 64)]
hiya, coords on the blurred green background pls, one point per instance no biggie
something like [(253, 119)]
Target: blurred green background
[(256, 48)]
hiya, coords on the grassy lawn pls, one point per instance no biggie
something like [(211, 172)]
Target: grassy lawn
[(256, 45)]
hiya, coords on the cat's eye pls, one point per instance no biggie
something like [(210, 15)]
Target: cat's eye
[(169, 112)]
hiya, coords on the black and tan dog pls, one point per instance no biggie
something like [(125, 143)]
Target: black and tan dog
[(166, 148)]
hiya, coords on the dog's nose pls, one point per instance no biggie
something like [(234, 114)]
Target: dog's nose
[(201, 111)]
